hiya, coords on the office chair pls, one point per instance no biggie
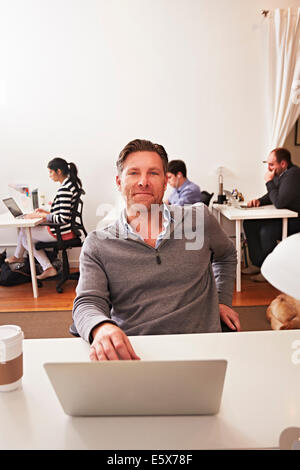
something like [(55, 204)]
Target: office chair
[(206, 197), (59, 244)]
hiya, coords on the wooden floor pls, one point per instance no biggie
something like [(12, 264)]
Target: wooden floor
[(20, 298), (254, 293)]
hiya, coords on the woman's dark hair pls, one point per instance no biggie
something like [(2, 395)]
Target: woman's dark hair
[(67, 169)]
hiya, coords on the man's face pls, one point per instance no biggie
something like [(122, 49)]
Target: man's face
[(172, 179), (273, 164), (142, 180)]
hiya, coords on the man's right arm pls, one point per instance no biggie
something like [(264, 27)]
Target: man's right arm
[(92, 302), (110, 343), (262, 201), (265, 200), (91, 310)]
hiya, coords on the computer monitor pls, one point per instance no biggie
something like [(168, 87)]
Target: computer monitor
[(35, 199)]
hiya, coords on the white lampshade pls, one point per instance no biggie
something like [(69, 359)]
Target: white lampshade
[(282, 267)]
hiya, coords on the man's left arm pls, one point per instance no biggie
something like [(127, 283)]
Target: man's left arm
[(224, 261), (230, 317)]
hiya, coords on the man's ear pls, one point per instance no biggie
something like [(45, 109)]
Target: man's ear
[(166, 181), (118, 181)]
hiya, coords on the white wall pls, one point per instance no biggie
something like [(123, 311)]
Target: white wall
[(80, 78)]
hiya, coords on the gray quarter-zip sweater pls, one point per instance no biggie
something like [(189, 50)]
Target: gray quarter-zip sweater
[(173, 289)]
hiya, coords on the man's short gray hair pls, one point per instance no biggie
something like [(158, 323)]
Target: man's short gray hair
[(139, 145)]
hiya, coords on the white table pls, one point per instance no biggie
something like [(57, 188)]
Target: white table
[(238, 215), (260, 398), (8, 221)]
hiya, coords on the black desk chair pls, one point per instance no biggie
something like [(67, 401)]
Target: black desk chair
[(206, 197), (59, 244)]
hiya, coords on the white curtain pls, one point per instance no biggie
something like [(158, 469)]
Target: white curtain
[(284, 73)]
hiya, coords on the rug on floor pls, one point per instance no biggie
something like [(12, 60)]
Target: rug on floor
[(56, 324), (253, 318)]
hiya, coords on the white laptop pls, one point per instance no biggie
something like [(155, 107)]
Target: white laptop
[(131, 388), (13, 207)]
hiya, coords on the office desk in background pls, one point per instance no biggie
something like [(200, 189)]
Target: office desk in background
[(260, 398), (8, 221), (238, 215)]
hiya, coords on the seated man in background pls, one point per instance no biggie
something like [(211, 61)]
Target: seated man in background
[(283, 190), (140, 276), (185, 192)]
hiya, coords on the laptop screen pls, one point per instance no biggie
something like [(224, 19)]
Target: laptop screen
[(12, 206)]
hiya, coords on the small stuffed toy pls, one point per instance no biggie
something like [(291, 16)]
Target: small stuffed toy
[(284, 313)]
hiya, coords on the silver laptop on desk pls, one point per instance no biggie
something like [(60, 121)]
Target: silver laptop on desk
[(132, 388), (233, 202), (13, 207)]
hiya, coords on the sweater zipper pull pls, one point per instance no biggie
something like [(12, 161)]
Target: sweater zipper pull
[(158, 259)]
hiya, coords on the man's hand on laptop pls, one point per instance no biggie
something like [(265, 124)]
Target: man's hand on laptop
[(110, 343), (230, 317), (254, 203)]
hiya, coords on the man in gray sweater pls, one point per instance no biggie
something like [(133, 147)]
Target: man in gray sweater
[(157, 270)]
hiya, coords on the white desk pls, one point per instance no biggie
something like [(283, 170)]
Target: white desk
[(238, 215), (260, 399), (8, 221)]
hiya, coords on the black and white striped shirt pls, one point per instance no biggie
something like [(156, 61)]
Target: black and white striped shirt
[(62, 206)]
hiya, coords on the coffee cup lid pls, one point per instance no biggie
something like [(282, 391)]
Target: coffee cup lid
[(9, 333)]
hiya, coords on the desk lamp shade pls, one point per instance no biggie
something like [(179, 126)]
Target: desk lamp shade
[(282, 267)]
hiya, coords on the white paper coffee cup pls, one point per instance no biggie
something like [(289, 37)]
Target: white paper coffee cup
[(11, 357)]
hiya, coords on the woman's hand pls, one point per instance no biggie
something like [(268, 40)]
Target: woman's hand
[(41, 212), (35, 215)]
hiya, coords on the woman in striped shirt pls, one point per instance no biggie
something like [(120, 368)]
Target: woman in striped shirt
[(60, 212)]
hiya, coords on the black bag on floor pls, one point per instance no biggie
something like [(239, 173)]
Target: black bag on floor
[(12, 278), (14, 274)]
